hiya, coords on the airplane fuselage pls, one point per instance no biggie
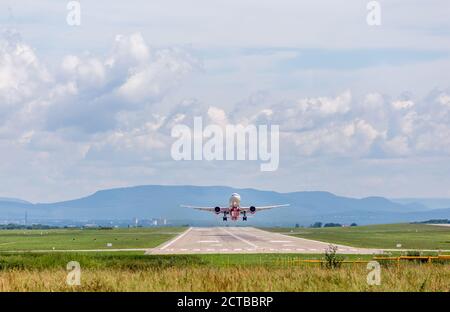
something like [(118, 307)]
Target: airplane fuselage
[(234, 206)]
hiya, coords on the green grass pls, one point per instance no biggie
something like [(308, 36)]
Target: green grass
[(134, 272), (67, 239), (410, 236), (139, 261)]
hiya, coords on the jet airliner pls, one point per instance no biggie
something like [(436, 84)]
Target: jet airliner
[(234, 209)]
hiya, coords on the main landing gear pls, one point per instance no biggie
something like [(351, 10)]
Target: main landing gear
[(244, 218), (224, 216)]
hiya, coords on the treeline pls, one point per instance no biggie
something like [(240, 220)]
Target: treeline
[(12, 226), (434, 221), (320, 224)]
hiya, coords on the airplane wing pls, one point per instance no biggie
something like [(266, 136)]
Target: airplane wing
[(211, 209), (257, 208)]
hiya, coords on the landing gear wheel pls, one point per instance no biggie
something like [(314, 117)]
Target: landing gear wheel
[(224, 218), (244, 218)]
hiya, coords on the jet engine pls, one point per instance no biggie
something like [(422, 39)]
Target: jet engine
[(252, 209), (217, 210)]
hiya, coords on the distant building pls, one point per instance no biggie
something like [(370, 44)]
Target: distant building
[(153, 222), (90, 225)]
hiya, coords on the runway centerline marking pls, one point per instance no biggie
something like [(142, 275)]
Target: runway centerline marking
[(239, 238), (175, 239)]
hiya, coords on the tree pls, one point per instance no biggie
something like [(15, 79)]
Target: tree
[(332, 225)]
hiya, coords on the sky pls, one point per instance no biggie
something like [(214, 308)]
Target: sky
[(363, 110)]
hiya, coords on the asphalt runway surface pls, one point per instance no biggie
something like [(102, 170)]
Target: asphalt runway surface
[(198, 240)]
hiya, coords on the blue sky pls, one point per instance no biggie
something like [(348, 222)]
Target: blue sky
[(362, 110)]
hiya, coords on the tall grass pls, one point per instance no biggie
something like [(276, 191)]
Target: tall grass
[(406, 277)]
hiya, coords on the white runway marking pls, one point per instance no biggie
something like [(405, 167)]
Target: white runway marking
[(239, 238), (176, 238), (245, 240)]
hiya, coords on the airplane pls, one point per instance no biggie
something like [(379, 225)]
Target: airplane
[(234, 209)]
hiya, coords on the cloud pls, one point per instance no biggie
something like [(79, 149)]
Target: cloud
[(325, 105), (111, 105), (152, 80), (87, 93), (370, 126), (90, 108), (85, 72), (398, 105), (105, 119), (23, 79)]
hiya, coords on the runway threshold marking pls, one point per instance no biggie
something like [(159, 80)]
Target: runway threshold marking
[(239, 238), (175, 239)]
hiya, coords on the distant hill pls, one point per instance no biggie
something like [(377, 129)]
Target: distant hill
[(13, 200), (154, 201), (431, 203)]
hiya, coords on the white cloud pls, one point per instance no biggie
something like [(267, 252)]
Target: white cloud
[(152, 81), (104, 119), (22, 76), (91, 92), (85, 72), (444, 100), (326, 106), (217, 116), (398, 105), (129, 49), (397, 146)]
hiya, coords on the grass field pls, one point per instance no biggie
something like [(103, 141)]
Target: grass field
[(67, 239), (410, 236), (133, 272), (137, 260)]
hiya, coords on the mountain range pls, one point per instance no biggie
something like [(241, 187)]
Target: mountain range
[(163, 201)]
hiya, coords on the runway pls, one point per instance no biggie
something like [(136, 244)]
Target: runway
[(197, 240)]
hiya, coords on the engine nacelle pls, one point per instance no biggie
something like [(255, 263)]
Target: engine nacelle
[(217, 210), (252, 209)]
